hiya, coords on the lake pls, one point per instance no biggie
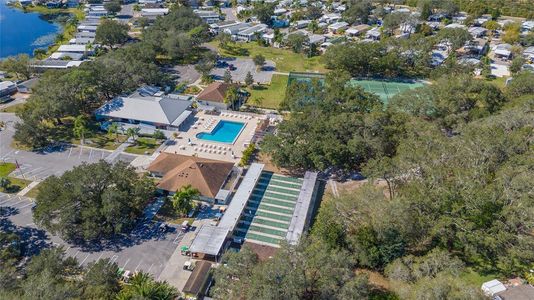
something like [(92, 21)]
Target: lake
[(24, 32)]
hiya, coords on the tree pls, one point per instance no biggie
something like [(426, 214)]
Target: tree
[(257, 101), (102, 200), (263, 11), (182, 200), (511, 33), (205, 65), (528, 39), (225, 40), (19, 65), (101, 280), (517, 64), (5, 183), (259, 61), (521, 85), (249, 79), (113, 7), (80, 128), (159, 135), (227, 77), (456, 37), (231, 96), (113, 129), (143, 286), (308, 270), (111, 33), (133, 132), (296, 41), (358, 11)]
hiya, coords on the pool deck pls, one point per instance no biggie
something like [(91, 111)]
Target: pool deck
[(210, 149)]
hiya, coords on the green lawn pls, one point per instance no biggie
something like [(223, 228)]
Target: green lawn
[(13, 108), (272, 94), (500, 82), (143, 145), (286, 60), (103, 141), (16, 183), (476, 278), (33, 192)]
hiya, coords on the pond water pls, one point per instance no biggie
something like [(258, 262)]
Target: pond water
[(22, 32)]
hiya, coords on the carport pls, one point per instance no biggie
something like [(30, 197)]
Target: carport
[(208, 243)]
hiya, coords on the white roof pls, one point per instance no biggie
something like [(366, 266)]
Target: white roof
[(162, 110), (71, 48), (61, 55), (209, 240), (239, 201), (455, 25), (338, 25), (492, 287), (155, 10), (6, 84)]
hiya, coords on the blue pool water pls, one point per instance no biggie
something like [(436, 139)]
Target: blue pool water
[(224, 132)]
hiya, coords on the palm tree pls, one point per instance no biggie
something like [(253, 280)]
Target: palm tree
[(231, 96), (80, 128), (182, 200), (133, 132), (113, 128), (257, 101), (143, 286)]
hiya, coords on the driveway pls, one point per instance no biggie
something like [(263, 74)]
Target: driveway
[(242, 67)]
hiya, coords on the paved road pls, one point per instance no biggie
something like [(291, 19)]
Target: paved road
[(50, 161)]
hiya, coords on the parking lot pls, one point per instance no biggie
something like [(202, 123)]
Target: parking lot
[(147, 248), (37, 165), (241, 67)]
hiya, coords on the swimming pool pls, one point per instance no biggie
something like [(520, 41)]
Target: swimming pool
[(224, 132)]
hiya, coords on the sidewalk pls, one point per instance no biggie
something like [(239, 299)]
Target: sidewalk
[(117, 151), (28, 188)]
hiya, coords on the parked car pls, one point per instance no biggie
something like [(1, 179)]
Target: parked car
[(185, 226)]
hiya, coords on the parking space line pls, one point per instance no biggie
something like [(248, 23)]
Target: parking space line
[(176, 239), (70, 152), (25, 206), (150, 268), (113, 259), (76, 254), (127, 261), (103, 153), (84, 259), (90, 154), (137, 267), (80, 155), (99, 256)]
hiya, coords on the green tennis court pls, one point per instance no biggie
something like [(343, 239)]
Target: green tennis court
[(385, 89)]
